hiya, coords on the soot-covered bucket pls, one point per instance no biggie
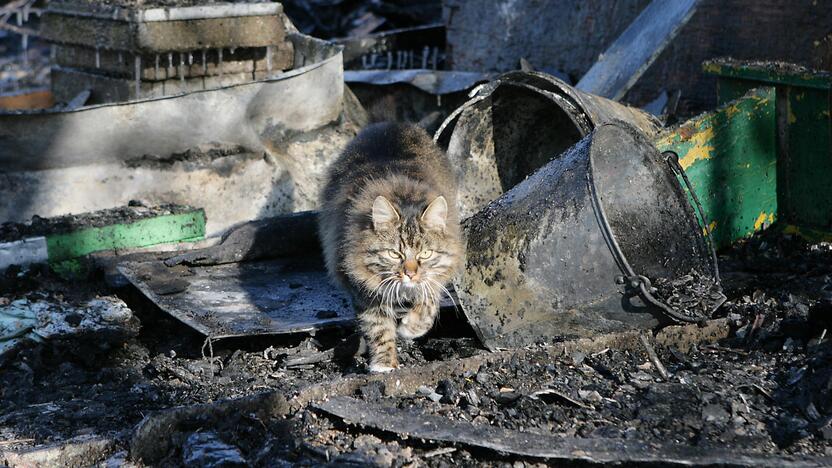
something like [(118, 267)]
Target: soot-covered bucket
[(602, 238)]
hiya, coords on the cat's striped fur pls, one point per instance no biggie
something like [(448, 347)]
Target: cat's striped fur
[(390, 231)]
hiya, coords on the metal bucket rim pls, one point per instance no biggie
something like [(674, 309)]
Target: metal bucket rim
[(516, 78)]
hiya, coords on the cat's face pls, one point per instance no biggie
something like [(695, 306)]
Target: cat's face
[(412, 254)]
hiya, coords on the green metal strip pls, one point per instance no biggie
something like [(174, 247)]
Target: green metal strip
[(183, 227), (769, 74), (730, 158)]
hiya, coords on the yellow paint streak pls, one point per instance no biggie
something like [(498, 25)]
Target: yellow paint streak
[(701, 148), (792, 117), (763, 219), (666, 140), (711, 228), (731, 110)]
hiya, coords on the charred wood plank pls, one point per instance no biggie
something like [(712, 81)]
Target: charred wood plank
[(564, 449), (623, 63)]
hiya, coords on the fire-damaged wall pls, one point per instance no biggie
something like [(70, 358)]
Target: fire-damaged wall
[(568, 35), (555, 35)]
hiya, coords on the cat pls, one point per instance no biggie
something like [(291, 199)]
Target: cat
[(389, 228)]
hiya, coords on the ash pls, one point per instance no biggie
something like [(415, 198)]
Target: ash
[(693, 295), (767, 389)]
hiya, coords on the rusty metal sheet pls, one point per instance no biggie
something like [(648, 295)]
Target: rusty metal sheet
[(272, 297)]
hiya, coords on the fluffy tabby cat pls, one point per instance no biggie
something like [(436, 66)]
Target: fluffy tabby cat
[(390, 232)]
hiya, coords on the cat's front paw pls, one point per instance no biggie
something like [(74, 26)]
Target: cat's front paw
[(409, 333), (380, 369)]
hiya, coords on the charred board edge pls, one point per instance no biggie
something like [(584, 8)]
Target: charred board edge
[(152, 436), (409, 423)]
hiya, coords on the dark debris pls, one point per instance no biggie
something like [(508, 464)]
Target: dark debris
[(767, 389)]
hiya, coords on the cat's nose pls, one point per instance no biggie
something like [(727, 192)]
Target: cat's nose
[(410, 268)]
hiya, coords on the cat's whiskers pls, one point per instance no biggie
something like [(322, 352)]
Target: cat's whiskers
[(435, 294), (367, 281), (444, 290), (387, 294), (381, 285), (398, 295)]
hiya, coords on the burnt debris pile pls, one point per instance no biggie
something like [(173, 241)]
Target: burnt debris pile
[(634, 293), (692, 295)]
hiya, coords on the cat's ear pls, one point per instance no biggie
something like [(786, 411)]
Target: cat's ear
[(436, 214), (384, 214)]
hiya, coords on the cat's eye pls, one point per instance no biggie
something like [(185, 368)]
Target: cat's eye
[(394, 254), (425, 254)]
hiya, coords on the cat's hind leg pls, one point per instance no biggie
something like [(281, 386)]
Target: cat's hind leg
[(418, 320), (379, 329)]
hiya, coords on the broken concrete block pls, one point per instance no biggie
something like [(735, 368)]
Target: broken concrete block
[(68, 82), (116, 51), (84, 450), (158, 30), (166, 66)]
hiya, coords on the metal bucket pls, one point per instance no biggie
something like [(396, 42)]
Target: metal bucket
[(516, 124), (576, 248)]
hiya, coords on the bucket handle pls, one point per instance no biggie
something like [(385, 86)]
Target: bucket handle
[(673, 159), (640, 283)]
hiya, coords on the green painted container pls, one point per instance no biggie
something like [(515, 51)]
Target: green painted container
[(803, 137)]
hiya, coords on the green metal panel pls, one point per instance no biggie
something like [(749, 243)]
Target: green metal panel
[(807, 163), (65, 248), (730, 157), (804, 136)]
